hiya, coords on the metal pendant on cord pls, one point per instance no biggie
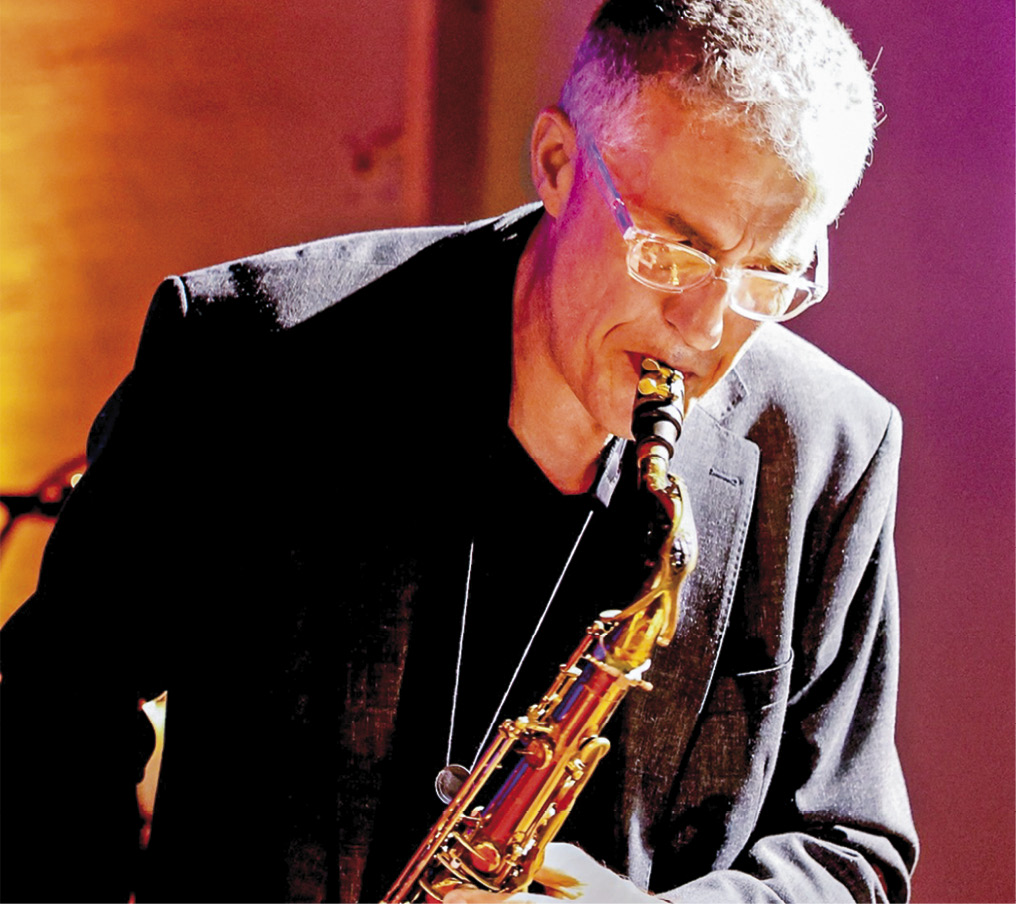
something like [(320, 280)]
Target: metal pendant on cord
[(451, 778)]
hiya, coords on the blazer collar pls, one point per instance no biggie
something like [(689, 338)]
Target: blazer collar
[(725, 396)]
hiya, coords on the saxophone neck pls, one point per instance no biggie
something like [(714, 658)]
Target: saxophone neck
[(671, 543), (653, 464)]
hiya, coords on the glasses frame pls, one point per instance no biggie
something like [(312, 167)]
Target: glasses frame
[(634, 237)]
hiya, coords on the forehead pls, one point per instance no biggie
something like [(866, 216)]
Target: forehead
[(695, 167)]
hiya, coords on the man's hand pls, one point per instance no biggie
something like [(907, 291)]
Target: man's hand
[(568, 873)]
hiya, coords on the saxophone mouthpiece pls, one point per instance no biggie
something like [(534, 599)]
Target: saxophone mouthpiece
[(658, 415)]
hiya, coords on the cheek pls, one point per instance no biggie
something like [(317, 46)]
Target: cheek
[(591, 277), (573, 330), (590, 303), (738, 333), (591, 332)]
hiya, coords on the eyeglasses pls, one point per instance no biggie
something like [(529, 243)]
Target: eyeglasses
[(671, 266)]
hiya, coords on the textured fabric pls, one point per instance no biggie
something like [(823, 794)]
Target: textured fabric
[(284, 480)]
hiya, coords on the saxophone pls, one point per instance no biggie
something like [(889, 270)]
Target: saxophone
[(556, 745)]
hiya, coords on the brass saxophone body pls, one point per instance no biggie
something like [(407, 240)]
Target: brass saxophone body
[(556, 745)]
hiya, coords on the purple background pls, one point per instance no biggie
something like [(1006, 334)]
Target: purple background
[(923, 307)]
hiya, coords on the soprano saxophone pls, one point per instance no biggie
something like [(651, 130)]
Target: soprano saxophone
[(554, 748)]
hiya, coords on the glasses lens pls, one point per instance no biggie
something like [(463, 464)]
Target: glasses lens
[(770, 297), (667, 265)]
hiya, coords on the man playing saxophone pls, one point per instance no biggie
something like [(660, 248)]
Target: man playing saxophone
[(480, 510)]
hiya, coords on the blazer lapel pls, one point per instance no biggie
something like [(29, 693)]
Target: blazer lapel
[(720, 470)]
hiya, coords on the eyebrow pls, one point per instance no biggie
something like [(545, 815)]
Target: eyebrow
[(794, 262), (784, 265)]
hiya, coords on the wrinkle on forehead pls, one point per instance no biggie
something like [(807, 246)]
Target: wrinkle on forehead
[(739, 197)]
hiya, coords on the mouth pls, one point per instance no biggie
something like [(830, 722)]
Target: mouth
[(636, 359)]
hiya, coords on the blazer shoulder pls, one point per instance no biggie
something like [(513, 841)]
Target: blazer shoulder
[(785, 370), (286, 286), (800, 404)]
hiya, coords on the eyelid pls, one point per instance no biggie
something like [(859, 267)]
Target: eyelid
[(778, 269), (784, 268), (684, 234)]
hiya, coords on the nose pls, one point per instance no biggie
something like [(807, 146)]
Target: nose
[(697, 314)]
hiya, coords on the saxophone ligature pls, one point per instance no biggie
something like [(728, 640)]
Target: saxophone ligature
[(496, 841)]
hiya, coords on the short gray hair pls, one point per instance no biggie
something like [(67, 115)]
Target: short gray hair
[(787, 70)]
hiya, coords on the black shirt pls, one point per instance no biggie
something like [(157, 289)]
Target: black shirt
[(520, 548)]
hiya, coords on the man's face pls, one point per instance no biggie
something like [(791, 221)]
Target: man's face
[(688, 179)]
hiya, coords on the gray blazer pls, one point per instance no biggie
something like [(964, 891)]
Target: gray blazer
[(208, 551)]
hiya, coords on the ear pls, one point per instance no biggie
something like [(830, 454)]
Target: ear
[(553, 155)]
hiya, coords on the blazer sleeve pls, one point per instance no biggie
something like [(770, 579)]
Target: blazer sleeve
[(83, 650), (836, 823)]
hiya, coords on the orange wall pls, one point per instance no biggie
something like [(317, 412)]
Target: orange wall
[(142, 139)]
